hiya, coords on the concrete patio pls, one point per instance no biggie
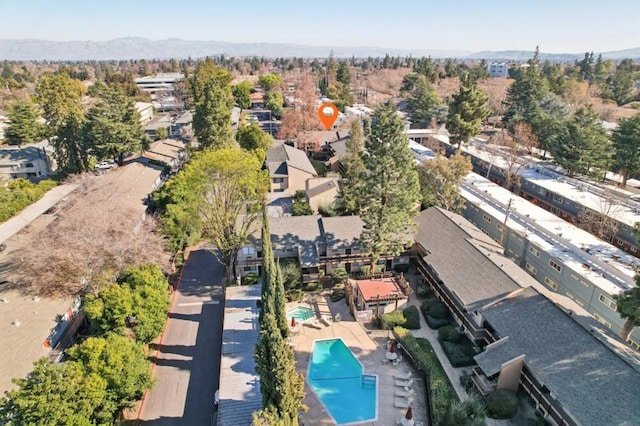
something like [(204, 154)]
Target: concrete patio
[(369, 347)]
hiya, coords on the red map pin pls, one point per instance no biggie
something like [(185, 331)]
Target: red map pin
[(328, 114)]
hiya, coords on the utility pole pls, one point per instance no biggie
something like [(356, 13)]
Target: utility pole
[(503, 231)]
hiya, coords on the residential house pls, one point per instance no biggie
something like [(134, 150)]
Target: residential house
[(29, 162), (171, 152), (572, 377), (289, 168), (321, 192)]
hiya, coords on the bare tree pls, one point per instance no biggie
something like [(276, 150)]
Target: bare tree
[(516, 146), (600, 222)]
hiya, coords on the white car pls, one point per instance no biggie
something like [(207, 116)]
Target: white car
[(105, 165)]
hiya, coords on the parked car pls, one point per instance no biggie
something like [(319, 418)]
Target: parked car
[(105, 165)]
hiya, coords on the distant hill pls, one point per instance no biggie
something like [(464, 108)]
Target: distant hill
[(142, 48), (523, 55)]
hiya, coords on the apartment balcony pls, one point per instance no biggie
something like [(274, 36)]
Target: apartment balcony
[(481, 382)]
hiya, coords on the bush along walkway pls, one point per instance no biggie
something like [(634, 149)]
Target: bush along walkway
[(432, 336)]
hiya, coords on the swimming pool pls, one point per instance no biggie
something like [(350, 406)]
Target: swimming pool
[(338, 379), (301, 313)]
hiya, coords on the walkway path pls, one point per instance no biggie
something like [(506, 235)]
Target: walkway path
[(432, 336)]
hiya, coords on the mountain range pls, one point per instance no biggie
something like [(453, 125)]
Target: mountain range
[(142, 48)]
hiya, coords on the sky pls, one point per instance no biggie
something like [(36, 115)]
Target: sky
[(558, 26)]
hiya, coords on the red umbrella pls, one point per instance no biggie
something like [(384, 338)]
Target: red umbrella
[(409, 414), (293, 321), (392, 347)]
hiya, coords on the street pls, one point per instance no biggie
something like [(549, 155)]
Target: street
[(188, 362)]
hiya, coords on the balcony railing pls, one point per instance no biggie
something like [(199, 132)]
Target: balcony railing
[(482, 383)]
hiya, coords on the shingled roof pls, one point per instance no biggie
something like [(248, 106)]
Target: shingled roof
[(281, 157), (461, 256), (594, 385)]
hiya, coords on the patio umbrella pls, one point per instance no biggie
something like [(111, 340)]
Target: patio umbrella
[(293, 321), (392, 347), (407, 420)]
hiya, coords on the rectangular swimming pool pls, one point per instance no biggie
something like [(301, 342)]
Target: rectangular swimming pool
[(338, 379)]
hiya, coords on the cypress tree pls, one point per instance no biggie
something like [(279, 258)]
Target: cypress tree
[(467, 110), (279, 301), (268, 269)]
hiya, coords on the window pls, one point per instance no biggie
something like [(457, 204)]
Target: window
[(247, 268), (602, 320), (248, 251), (278, 180), (619, 242), (534, 251), (541, 190), (633, 249), (557, 198), (532, 269), (28, 164), (551, 283), (625, 227), (555, 265), (500, 227), (634, 345), (486, 217), (607, 301)]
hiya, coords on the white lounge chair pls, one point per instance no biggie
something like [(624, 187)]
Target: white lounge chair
[(404, 383), (403, 376), (405, 393), (402, 402)]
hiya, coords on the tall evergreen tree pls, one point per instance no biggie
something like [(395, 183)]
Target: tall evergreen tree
[(351, 196), (24, 127), (626, 141), (524, 95), (212, 116), (422, 102), (113, 127), (467, 110), (582, 146), (343, 75), (268, 273), (392, 189), (628, 305), (279, 303)]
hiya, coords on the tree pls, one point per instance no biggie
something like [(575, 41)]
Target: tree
[(212, 116), (24, 127), (274, 101), (440, 180), (467, 110), (516, 146), (343, 75), (138, 301), (526, 92), (392, 190), (231, 188), (626, 142), (253, 139), (582, 146), (59, 96), (270, 82), (242, 94), (113, 127), (622, 82), (57, 394), (206, 72), (628, 305), (547, 120), (421, 102), (351, 196), (303, 117), (121, 363)]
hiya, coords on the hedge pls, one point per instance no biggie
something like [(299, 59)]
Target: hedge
[(456, 353), (502, 404), (449, 333), (393, 319), (435, 314), (20, 193), (412, 317), (442, 392)]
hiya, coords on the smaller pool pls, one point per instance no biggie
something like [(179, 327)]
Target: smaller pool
[(300, 313)]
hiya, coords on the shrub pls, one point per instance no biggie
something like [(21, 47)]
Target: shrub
[(401, 267), (293, 295), (19, 193), (312, 287), (441, 317), (393, 319), (412, 317), (438, 310), (338, 293), (442, 392), (250, 279), (339, 275), (456, 354), (448, 333), (502, 404), (423, 290)]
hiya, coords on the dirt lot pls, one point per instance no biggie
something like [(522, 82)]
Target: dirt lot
[(100, 225)]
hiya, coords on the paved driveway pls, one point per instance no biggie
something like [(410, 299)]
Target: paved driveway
[(188, 362)]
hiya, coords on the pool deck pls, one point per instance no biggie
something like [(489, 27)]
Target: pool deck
[(369, 347)]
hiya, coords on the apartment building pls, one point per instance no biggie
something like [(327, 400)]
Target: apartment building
[(564, 258), (498, 69)]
